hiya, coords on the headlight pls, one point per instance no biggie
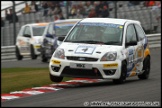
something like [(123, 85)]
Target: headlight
[(59, 53), (38, 41), (47, 41), (50, 42), (109, 56)]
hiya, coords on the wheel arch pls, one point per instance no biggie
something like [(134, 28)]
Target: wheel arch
[(32, 46)]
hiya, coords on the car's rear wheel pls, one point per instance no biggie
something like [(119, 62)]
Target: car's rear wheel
[(33, 55), (18, 56), (122, 78), (55, 78), (146, 68)]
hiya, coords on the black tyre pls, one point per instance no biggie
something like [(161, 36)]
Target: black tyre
[(18, 56), (146, 69), (55, 78), (122, 78), (44, 59), (33, 55)]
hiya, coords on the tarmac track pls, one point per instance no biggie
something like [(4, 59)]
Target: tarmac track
[(133, 90)]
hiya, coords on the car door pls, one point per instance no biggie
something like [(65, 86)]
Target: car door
[(19, 39), (131, 38), (25, 48), (49, 38), (139, 49)]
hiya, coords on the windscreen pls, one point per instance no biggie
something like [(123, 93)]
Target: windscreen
[(110, 34), (63, 28), (38, 30)]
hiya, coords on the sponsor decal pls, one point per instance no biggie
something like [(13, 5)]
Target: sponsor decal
[(120, 27), (132, 73), (56, 62), (131, 51), (37, 46), (146, 52), (110, 65), (21, 42)]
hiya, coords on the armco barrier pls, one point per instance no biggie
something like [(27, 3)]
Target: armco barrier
[(8, 52)]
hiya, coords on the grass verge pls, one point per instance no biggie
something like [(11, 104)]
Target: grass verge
[(17, 79)]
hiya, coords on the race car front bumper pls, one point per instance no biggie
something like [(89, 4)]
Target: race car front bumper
[(98, 69), (37, 48)]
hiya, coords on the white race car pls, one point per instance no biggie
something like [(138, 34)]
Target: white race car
[(104, 48), (29, 40)]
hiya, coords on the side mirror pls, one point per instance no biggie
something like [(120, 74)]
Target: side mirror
[(49, 35), (27, 35), (61, 38), (131, 43)]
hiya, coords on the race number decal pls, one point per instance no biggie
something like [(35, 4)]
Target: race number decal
[(139, 54), (85, 49), (130, 59)]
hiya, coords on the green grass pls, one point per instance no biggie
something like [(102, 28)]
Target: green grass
[(17, 79)]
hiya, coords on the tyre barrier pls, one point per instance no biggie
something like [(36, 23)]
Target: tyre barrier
[(8, 52)]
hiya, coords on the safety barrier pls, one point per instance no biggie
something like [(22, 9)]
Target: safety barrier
[(8, 52)]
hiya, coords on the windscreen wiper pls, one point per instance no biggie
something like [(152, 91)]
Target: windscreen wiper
[(112, 43), (61, 35), (90, 42)]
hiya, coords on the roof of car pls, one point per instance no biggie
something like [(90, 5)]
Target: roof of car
[(67, 20), (38, 24), (109, 20)]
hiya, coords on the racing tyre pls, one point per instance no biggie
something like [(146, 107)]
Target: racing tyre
[(44, 59), (33, 56), (55, 78), (146, 69), (122, 78), (18, 56)]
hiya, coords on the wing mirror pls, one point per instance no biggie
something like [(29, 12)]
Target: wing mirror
[(61, 38), (27, 35), (49, 35), (131, 43)]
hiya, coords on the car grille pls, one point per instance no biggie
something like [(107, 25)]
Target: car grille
[(81, 58), (88, 73)]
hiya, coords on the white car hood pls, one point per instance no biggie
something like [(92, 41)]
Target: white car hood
[(38, 39), (87, 50)]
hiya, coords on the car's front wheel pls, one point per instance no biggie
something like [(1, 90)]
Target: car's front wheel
[(55, 78), (122, 78), (146, 69), (18, 56), (33, 55), (44, 59)]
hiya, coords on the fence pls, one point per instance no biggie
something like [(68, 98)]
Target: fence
[(8, 52), (150, 19)]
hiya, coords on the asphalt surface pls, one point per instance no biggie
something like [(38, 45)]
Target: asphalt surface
[(133, 90), (26, 62)]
